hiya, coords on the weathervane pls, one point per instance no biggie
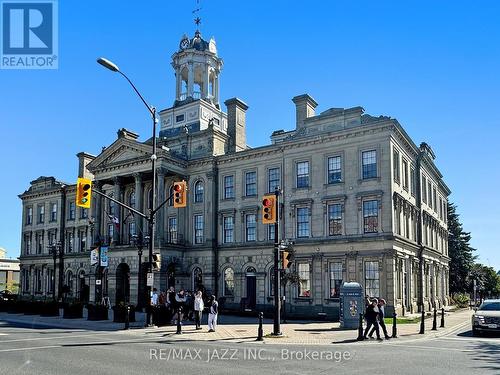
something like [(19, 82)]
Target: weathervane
[(197, 20)]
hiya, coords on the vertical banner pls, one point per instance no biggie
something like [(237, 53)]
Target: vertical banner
[(94, 257), (104, 256)]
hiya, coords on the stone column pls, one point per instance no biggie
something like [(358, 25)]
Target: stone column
[(160, 216), (206, 82), (139, 192), (178, 84), (190, 82), (216, 89), (117, 212)]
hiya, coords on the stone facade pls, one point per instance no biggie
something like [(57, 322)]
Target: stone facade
[(360, 200)]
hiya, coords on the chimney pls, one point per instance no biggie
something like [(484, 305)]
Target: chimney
[(236, 122), (83, 160), (304, 108)]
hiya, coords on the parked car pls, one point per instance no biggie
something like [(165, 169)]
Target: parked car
[(7, 295), (486, 317)]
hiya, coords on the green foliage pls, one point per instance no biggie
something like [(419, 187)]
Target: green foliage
[(461, 300), (487, 281), (460, 253)]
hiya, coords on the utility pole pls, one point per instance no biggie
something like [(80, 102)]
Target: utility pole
[(277, 299)]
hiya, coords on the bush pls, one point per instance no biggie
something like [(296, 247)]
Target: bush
[(120, 312), (73, 311), (461, 300), (97, 312)]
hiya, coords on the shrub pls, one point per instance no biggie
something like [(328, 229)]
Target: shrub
[(461, 300)]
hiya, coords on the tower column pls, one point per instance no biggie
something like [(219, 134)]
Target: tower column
[(206, 82), (178, 85), (190, 83), (216, 89)]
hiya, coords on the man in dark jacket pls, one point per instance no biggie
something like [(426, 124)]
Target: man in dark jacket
[(371, 315), (381, 315)]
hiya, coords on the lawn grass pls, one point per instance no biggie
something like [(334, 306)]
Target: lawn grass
[(403, 320)]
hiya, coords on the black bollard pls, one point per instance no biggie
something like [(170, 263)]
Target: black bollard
[(260, 331), (442, 318), (422, 323), (394, 326), (434, 321), (179, 327), (360, 328), (127, 317)]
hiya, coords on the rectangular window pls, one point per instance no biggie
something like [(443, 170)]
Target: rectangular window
[(369, 164), (303, 222), (304, 285), (172, 229), (302, 170), (71, 211), (395, 166), (250, 227), (334, 219), (111, 229), (405, 175), (41, 214), (52, 238), (372, 279), (53, 212), (131, 229), (335, 279), (228, 187), (29, 215), (27, 244), (198, 229), (70, 238), (424, 189), (179, 118), (370, 216), (334, 169), (250, 184), (429, 193), (274, 179), (83, 240), (228, 223), (84, 213), (270, 232), (39, 243)]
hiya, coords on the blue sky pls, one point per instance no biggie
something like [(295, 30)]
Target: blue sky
[(432, 65)]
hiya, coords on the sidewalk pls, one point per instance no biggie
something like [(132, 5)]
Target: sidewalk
[(237, 329)]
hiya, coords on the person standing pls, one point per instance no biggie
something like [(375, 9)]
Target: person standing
[(180, 301), (212, 315), (198, 308), (381, 315), (371, 315)]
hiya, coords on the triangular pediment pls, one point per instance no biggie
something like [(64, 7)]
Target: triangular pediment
[(122, 151)]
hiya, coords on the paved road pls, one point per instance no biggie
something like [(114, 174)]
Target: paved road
[(26, 350)]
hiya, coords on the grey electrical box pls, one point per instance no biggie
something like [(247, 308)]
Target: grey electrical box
[(352, 303)]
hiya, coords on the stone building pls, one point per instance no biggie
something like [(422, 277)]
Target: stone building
[(9, 273), (361, 201)]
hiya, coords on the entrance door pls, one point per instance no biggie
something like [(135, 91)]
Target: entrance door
[(251, 287)]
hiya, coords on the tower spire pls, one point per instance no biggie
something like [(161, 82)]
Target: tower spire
[(197, 19)]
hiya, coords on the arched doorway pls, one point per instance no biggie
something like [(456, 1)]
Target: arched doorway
[(122, 283), (143, 291), (83, 288), (251, 281), (171, 275), (197, 283)]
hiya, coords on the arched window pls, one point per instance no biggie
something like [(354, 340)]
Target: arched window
[(251, 270), (131, 199), (197, 279), (111, 207), (70, 282), (198, 192), (228, 282)]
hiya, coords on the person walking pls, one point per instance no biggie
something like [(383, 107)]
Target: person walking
[(198, 308), (180, 301), (212, 315), (371, 315), (381, 322)]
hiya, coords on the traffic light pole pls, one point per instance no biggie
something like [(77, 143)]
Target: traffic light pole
[(277, 301)]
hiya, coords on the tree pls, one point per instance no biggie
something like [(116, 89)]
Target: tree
[(460, 253), (487, 281)]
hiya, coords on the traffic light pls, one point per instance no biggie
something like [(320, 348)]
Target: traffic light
[(180, 194), (286, 259), (83, 192), (269, 209), (156, 262)]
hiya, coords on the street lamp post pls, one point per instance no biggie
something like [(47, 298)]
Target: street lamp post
[(151, 218), (140, 242), (53, 248)]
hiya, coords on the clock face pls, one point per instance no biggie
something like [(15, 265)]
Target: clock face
[(184, 43)]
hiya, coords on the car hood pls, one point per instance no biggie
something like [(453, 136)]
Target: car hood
[(488, 313)]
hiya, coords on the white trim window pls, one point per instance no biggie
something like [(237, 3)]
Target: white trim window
[(251, 184), (304, 285), (198, 229), (172, 229), (228, 187), (372, 279), (303, 222), (228, 229), (250, 227), (335, 269), (228, 282), (369, 164), (335, 219), (273, 176), (334, 173), (370, 216), (199, 190), (302, 172)]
